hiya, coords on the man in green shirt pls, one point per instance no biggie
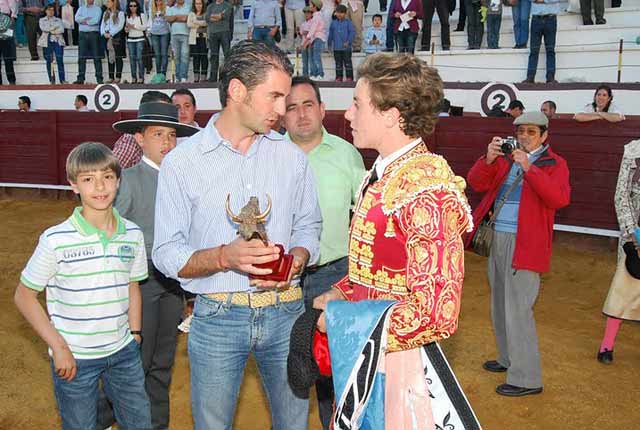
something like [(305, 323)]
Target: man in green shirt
[(339, 169)]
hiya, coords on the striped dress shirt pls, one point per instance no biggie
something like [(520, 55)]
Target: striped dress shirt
[(194, 181)]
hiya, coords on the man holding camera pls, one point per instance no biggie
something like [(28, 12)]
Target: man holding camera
[(528, 182)]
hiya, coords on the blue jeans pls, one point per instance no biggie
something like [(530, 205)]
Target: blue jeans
[(314, 284), (406, 40), (135, 59), (160, 44), (53, 48), (543, 26), (221, 337), (493, 30), (306, 58), (263, 35), (180, 45), (316, 58), (520, 13), (390, 38), (123, 379)]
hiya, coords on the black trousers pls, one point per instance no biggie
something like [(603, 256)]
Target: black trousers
[(383, 5), (8, 54), (343, 61), (585, 9), (200, 58), (462, 15), (31, 29), (217, 41), (429, 7)]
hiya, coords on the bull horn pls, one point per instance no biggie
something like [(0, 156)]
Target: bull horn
[(264, 215), (231, 215)]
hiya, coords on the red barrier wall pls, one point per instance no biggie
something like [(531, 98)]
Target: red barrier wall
[(34, 147)]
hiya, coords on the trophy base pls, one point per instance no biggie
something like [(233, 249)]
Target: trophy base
[(280, 268)]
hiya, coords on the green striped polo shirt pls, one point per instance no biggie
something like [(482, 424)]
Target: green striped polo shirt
[(86, 276)]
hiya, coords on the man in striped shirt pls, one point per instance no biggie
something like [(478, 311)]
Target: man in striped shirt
[(90, 266), (237, 155)]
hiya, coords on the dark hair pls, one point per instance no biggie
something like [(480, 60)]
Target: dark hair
[(82, 98), (155, 96), (25, 99), (204, 9), (185, 92), (138, 11), (551, 103), (305, 80), (516, 104), (607, 88), (250, 61), (50, 5), (377, 15), (408, 84), (341, 8)]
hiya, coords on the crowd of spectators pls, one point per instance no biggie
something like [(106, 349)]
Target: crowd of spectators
[(196, 30)]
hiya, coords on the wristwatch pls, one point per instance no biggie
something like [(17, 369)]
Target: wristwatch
[(136, 332)]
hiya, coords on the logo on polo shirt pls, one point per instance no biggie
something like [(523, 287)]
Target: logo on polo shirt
[(125, 253)]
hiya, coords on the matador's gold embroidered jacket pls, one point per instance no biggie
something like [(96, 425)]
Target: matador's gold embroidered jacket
[(406, 244)]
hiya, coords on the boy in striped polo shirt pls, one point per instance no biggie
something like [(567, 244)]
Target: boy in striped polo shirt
[(90, 265)]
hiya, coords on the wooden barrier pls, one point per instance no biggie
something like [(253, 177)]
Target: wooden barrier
[(34, 147)]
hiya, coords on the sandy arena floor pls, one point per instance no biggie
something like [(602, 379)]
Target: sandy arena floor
[(580, 393)]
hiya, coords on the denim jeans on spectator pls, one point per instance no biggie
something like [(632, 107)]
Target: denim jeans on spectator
[(160, 44), (8, 55), (315, 283), (406, 40), (31, 28), (493, 30), (123, 379), (390, 38), (135, 59), (262, 33), (221, 338), (216, 41), (54, 49), (343, 62), (316, 58), (180, 46), (88, 42), (520, 13), (475, 27), (306, 58), (543, 26)]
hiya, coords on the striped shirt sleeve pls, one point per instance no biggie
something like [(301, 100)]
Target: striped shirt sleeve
[(139, 269), (307, 222), (41, 266)]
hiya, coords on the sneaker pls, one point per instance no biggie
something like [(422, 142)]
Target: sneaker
[(78, 82), (349, 80), (338, 79), (64, 83)]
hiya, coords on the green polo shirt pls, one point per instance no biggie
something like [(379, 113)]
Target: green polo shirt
[(339, 169)]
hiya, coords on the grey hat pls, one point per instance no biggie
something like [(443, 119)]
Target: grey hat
[(316, 3), (532, 117)]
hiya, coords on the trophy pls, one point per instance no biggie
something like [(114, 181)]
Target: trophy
[(251, 226)]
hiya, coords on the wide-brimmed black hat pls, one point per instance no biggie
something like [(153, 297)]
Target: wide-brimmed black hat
[(156, 113), (632, 261), (302, 369)]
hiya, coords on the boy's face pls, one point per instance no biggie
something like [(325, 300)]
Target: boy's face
[(308, 15), (156, 141), (340, 15), (97, 188), (377, 22)]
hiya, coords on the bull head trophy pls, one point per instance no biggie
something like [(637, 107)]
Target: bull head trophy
[(251, 225)]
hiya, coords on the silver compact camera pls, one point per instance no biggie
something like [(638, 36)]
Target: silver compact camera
[(508, 145)]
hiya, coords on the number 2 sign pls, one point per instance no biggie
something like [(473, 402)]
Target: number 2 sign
[(106, 98)]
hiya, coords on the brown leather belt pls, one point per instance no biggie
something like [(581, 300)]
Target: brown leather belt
[(259, 300)]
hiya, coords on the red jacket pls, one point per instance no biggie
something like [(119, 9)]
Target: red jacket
[(545, 188)]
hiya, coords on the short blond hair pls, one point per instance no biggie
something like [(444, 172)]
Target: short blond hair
[(91, 156), (408, 84)]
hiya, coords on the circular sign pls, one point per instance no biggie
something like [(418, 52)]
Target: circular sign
[(496, 96), (106, 98)]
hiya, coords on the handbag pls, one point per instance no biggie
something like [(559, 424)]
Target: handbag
[(482, 240)]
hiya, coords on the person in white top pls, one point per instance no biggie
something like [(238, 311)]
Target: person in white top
[(135, 27), (52, 43), (602, 107), (111, 29)]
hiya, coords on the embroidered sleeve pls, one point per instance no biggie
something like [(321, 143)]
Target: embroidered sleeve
[(433, 224), (344, 286), (624, 207)]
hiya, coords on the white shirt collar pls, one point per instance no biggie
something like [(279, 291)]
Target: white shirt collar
[(382, 163), (150, 163)]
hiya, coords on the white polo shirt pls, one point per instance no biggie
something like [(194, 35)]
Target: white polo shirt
[(86, 276)]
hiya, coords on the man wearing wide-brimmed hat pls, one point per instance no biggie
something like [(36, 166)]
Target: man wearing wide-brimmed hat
[(155, 130)]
